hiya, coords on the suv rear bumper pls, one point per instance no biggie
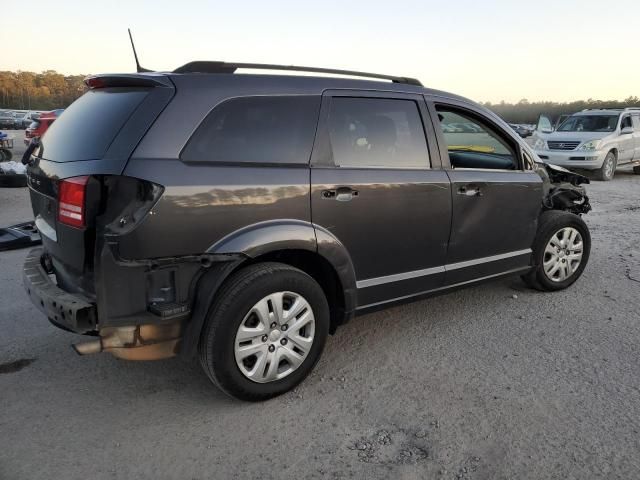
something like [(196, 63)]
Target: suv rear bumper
[(69, 311), (74, 313)]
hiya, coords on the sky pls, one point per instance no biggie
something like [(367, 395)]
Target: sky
[(486, 50)]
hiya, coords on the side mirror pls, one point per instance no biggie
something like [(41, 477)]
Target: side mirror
[(626, 131), (546, 130)]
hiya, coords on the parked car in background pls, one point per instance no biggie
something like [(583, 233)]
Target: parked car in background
[(23, 122), (18, 116), (521, 130), (243, 218), (40, 125), (7, 120), (596, 140)]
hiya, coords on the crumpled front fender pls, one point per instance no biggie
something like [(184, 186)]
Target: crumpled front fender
[(563, 190)]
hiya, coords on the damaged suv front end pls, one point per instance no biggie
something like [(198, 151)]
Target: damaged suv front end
[(562, 189)]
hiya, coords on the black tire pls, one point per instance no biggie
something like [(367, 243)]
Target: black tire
[(239, 294), (12, 180), (7, 155), (605, 173), (636, 169), (549, 224)]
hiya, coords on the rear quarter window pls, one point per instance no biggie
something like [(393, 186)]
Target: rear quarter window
[(86, 129), (261, 129)]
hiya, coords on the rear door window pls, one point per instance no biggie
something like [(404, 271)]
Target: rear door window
[(90, 124), (377, 132), (261, 129)]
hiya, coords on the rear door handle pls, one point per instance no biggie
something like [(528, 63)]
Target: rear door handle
[(470, 190), (341, 194)]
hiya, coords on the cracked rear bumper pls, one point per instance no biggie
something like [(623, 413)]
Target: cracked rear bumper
[(69, 311)]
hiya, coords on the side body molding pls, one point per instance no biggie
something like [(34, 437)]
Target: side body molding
[(290, 234)]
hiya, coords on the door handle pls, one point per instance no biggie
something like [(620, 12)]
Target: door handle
[(341, 194), (470, 191)]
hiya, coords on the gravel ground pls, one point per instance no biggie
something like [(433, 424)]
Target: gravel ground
[(493, 382)]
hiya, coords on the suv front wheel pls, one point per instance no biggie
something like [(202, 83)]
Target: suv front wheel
[(265, 332), (560, 251), (608, 168)]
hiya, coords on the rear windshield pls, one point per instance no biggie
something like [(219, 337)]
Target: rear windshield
[(86, 129)]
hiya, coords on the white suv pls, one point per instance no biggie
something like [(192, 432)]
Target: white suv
[(599, 140)]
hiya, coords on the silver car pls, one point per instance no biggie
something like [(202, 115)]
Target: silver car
[(598, 140)]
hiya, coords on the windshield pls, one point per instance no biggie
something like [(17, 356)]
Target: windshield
[(589, 123)]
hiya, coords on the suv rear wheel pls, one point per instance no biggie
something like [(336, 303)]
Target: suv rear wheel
[(608, 169), (560, 251), (265, 332)]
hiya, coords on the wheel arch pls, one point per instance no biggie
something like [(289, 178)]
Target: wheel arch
[(263, 237), (297, 243)]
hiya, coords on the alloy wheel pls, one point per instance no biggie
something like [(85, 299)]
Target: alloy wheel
[(609, 165)]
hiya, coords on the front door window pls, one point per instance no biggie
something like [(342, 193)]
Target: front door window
[(471, 143)]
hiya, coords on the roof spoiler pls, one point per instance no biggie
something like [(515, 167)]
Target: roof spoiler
[(127, 80), (224, 67)]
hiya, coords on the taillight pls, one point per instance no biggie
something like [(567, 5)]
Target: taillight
[(71, 200)]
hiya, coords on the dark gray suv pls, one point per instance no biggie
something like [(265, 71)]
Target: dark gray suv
[(243, 217)]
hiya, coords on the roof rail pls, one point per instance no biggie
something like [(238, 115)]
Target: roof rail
[(224, 67), (617, 109)]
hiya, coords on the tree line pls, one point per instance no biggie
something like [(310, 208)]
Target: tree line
[(528, 112), (49, 90)]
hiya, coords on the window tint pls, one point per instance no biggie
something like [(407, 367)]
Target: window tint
[(626, 122), (473, 144), (370, 132), (256, 130), (89, 125)]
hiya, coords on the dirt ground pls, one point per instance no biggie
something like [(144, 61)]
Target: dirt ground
[(493, 382)]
